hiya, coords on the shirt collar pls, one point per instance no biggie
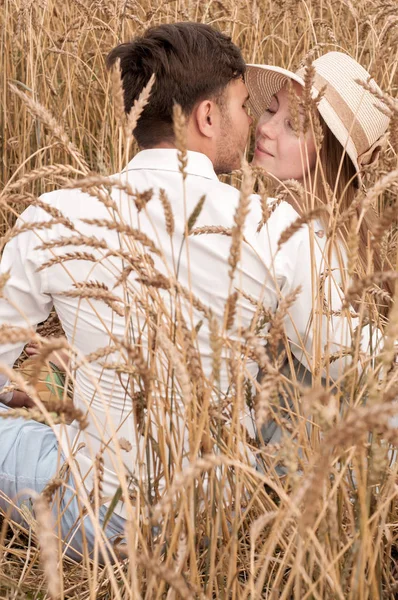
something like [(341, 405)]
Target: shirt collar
[(165, 159)]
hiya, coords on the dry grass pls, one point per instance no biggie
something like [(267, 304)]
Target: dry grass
[(327, 528)]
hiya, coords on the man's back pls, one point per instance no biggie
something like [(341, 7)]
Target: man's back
[(146, 281)]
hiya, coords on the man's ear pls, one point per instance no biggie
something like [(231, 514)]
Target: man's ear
[(207, 118)]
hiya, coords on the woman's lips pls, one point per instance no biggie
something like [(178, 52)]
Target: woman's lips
[(263, 152)]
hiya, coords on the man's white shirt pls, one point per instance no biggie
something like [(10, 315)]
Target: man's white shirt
[(264, 273)]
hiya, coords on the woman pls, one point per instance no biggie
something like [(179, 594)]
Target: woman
[(295, 111), (354, 126)]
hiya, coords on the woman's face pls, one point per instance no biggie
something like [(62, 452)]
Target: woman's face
[(278, 150)]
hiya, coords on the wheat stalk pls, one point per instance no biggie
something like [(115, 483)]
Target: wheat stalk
[(48, 546), (179, 366), (239, 219), (211, 229), (39, 111), (168, 212), (180, 138), (138, 106)]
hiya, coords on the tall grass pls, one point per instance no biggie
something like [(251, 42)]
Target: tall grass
[(319, 519)]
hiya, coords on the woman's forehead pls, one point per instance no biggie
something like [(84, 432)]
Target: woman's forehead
[(282, 96)]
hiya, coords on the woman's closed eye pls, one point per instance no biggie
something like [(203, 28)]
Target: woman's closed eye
[(273, 106)]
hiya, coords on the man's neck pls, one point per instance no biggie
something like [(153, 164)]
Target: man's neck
[(170, 146), (165, 144)]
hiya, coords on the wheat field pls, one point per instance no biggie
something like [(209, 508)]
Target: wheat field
[(327, 528)]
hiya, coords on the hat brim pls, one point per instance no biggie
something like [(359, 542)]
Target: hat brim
[(263, 82)]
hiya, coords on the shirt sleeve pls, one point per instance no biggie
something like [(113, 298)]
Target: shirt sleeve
[(24, 301), (320, 332)]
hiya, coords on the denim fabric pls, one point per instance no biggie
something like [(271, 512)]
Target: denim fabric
[(29, 459)]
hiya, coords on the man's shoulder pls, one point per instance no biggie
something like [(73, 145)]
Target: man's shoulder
[(283, 216), (280, 214), (62, 195), (73, 202), (283, 210), (222, 190)]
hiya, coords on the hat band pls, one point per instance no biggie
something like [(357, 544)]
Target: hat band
[(346, 115)]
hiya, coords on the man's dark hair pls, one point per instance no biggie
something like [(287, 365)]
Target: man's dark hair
[(191, 61)]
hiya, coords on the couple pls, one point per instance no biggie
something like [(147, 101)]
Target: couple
[(204, 72)]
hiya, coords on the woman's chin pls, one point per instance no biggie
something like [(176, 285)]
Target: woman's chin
[(262, 160), (263, 164), (257, 162)]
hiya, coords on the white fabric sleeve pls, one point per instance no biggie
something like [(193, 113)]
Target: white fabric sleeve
[(24, 302), (315, 324), (5, 397)]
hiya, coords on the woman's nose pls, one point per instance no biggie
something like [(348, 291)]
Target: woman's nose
[(269, 127)]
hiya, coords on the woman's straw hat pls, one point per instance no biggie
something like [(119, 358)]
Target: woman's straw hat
[(352, 113)]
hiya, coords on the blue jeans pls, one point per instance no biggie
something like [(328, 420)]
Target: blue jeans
[(29, 459)]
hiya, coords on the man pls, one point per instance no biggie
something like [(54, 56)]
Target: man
[(201, 70)]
